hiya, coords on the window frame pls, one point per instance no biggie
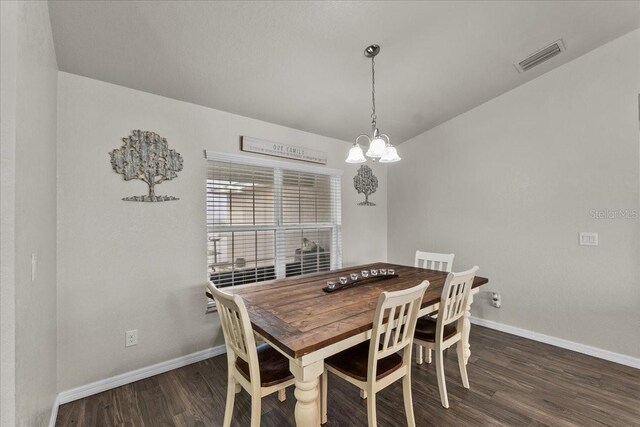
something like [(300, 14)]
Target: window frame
[(280, 227)]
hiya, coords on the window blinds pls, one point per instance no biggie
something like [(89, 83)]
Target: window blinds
[(270, 222)]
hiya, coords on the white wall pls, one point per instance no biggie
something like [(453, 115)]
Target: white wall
[(8, 89), (509, 184), (29, 90), (126, 265)]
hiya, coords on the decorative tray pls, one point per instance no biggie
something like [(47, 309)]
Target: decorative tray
[(355, 279)]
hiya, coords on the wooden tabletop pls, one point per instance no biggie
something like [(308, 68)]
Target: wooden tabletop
[(299, 317)]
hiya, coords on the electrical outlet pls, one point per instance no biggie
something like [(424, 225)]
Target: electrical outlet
[(131, 338), (496, 299)]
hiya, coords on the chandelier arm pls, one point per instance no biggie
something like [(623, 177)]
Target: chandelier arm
[(386, 136), (361, 135)]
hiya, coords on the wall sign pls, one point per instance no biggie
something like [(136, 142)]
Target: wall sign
[(260, 146)]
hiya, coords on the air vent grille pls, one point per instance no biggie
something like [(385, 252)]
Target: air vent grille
[(540, 56)]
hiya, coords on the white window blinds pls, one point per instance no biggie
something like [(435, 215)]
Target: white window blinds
[(266, 222)]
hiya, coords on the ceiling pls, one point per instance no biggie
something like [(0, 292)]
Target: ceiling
[(301, 64)]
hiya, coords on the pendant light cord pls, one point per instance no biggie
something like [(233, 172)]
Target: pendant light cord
[(373, 92)]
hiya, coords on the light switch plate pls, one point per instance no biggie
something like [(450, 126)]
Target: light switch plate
[(588, 238), (34, 262)]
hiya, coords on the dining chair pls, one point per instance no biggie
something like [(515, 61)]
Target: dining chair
[(373, 365), (432, 261), (441, 333), (260, 370)]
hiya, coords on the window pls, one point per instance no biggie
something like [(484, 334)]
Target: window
[(269, 219)]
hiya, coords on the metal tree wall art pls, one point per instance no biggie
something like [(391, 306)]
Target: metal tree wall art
[(365, 182), (146, 156)]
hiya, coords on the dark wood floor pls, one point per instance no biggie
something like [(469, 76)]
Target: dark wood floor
[(514, 382)]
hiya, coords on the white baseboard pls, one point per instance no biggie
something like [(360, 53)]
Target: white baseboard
[(54, 411), (139, 374), (559, 342)]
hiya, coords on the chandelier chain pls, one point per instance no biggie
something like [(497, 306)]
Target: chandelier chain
[(373, 91)]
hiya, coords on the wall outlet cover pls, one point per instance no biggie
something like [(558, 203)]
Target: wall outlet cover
[(131, 338)]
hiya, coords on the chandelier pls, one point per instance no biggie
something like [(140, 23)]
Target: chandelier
[(378, 147)]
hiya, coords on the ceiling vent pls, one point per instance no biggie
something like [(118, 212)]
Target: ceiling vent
[(540, 56)]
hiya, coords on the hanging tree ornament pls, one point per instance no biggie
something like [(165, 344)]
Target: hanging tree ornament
[(365, 182), (146, 156)]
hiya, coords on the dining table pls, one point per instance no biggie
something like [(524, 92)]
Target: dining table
[(307, 324)]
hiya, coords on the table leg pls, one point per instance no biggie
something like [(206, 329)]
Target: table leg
[(307, 392), (466, 328)]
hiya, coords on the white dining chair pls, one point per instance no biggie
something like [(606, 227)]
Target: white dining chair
[(441, 333), (260, 370), (373, 365), (431, 261), (434, 261)]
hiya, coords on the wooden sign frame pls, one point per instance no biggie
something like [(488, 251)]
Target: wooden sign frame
[(277, 149)]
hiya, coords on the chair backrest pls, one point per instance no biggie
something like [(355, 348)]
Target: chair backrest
[(236, 327), (389, 335), (453, 299), (434, 261)]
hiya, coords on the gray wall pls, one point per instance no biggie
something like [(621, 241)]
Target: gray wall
[(125, 265), (29, 91), (510, 184), (8, 88)]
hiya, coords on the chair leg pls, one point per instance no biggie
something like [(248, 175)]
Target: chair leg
[(256, 402), (419, 350), (462, 365), (371, 410), (442, 385), (231, 397), (323, 402), (427, 357), (282, 395), (408, 400), (363, 394)]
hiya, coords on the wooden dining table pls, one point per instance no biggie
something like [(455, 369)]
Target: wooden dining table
[(308, 325)]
